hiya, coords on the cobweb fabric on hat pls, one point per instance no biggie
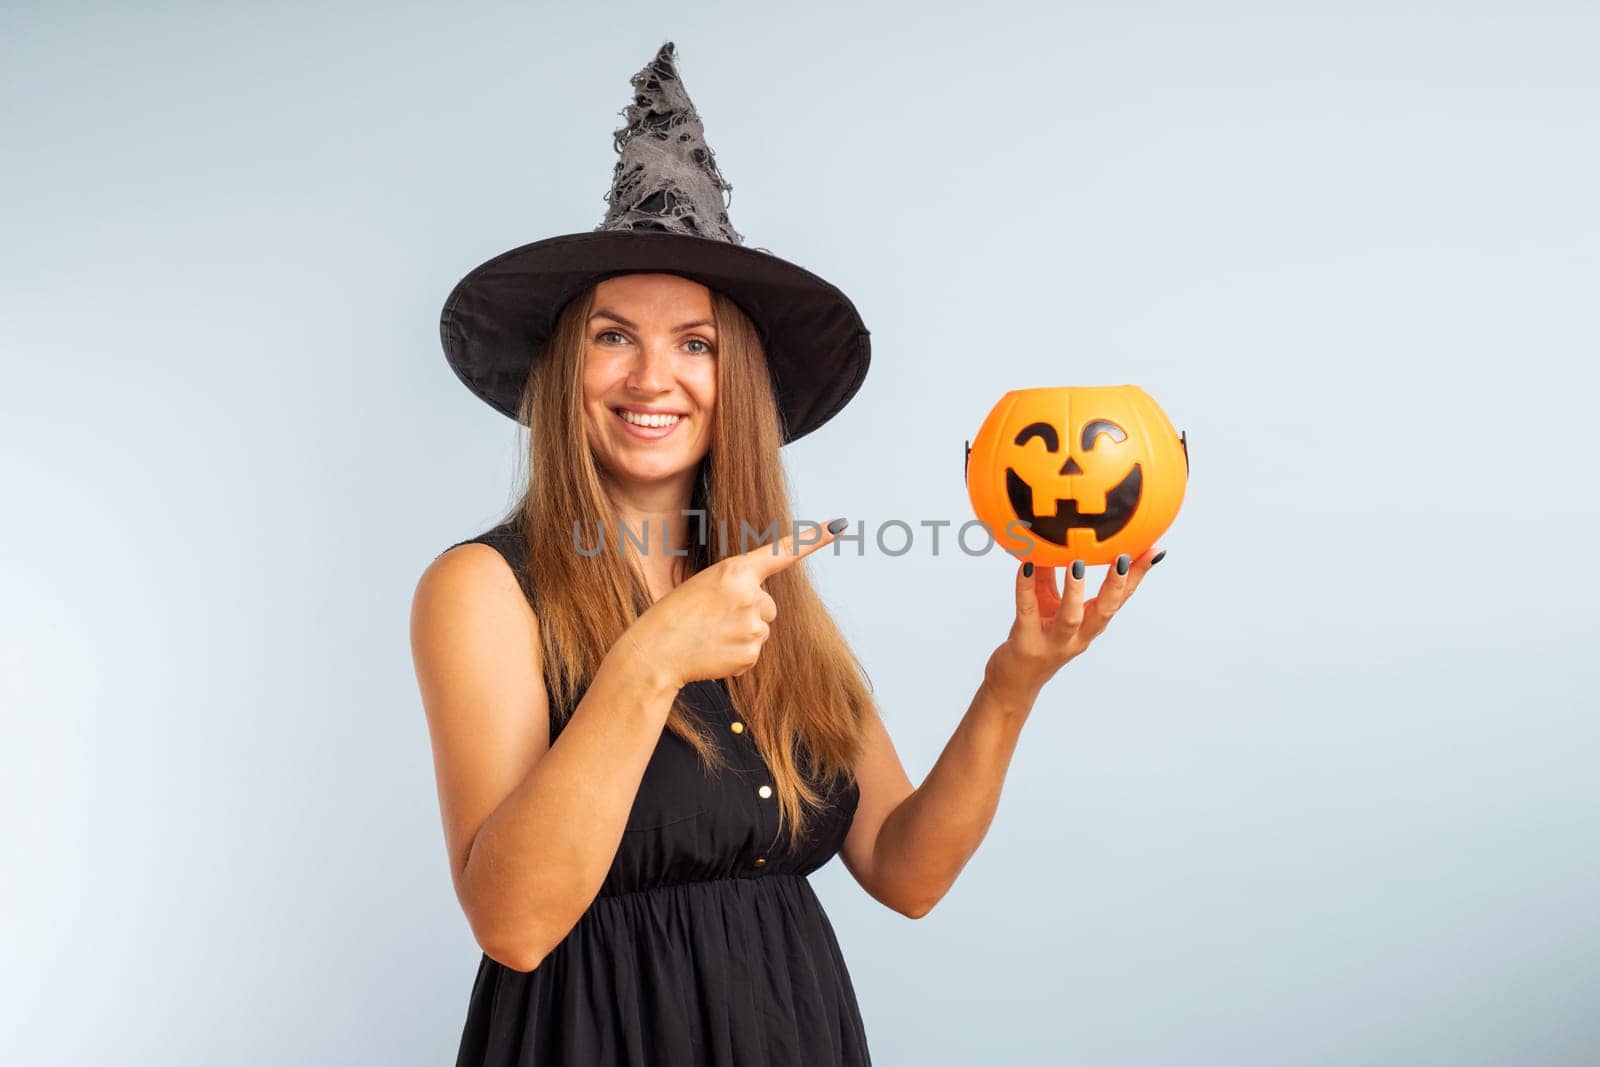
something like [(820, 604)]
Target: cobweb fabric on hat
[(666, 177)]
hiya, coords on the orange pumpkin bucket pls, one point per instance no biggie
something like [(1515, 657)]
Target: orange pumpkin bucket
[(1093, 471)]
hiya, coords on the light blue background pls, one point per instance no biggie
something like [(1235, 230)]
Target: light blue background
[(1325, 793)]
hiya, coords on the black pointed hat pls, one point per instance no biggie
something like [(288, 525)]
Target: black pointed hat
[(666, 214)]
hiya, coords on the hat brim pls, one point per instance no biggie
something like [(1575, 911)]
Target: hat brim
[(500, 314)]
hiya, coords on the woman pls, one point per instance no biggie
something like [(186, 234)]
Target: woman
[(648, 732)]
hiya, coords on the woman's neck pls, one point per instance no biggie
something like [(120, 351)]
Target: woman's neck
[(654, 517)]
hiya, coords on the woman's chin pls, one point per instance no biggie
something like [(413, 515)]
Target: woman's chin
[(657, 469)]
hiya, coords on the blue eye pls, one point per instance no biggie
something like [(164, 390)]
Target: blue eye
[(603, 334), (707, 350)]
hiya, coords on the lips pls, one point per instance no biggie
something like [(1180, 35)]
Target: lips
[(647, 433), (649, 417)]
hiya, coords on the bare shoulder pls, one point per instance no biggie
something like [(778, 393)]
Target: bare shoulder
[(475, 647), (471, 580)]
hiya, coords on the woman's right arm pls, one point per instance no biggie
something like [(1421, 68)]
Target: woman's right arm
[(531, 828)]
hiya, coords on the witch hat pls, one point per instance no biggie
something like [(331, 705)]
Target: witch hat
[(666, 214)]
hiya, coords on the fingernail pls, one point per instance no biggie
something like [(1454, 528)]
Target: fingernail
[(1158, 557), (835, 526), (1077, 568), (1027, 570), (1122, 563)]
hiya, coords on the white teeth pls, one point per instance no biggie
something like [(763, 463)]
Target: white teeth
[(647, 420)]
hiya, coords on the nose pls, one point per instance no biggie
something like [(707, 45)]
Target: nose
[(652, 370)]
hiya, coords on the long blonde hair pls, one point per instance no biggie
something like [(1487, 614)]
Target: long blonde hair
[(806, 700)]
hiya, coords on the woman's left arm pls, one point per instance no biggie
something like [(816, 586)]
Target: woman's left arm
[(922, 844)]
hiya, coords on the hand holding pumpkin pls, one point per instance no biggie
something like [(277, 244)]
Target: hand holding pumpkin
[(1053, 627)]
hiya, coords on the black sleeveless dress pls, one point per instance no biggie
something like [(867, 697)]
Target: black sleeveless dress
[(706, 946)]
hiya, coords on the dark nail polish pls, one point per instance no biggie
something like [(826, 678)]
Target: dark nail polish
[(1027, 570), (1158, 557), (1123, 562), (1077, 568), (835, 526)]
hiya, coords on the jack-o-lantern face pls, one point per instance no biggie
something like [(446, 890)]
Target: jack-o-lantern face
[(1094, 471)]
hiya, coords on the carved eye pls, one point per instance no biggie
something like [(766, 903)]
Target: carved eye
[(1040, 429), (1098, 427)]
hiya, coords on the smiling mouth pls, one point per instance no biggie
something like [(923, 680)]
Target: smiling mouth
[(1121, 502), (649, 420)]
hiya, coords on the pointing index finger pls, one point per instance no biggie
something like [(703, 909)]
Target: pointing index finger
[(787, 551)]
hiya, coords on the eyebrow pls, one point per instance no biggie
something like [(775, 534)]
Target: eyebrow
[(614, 317)]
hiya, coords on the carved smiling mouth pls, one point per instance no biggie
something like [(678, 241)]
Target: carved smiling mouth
[(1121, 502)]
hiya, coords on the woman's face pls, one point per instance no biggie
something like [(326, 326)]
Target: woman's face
[(649, 376)]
